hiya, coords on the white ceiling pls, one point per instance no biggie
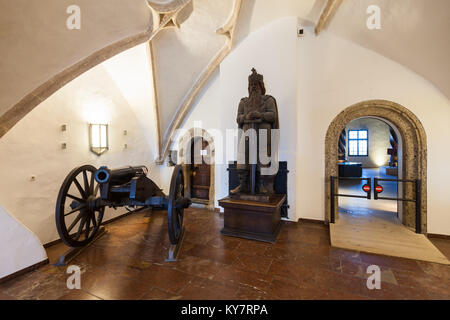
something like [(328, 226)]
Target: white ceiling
[(413, 33), (181, 54)]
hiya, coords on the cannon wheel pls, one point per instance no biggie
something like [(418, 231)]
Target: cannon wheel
[(83, 228), (175, 213)]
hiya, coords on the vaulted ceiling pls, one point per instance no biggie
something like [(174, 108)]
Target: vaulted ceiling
[(413, 33), (188, 40)]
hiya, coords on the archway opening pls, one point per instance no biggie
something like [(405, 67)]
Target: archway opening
[(197, 156), (394, 237), (414, 152), (370, 147), (199, 171)]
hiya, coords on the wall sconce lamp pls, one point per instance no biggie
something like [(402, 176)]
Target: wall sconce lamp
[(98, 138)]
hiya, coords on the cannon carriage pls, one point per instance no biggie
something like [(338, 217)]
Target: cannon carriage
[(86, 192)]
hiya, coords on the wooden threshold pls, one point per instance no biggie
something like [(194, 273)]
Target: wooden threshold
[(382, 233)]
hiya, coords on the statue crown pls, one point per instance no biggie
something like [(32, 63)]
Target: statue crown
[(255, 77)]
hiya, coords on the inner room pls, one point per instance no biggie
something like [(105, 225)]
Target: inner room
[(224, 150), (369, 148)]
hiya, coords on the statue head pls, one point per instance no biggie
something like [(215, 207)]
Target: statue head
[(256, 80)]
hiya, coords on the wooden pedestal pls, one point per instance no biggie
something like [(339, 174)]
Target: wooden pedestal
[(254, 220)]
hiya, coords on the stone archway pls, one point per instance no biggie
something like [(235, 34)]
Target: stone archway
[(414, 150), (184, 151)]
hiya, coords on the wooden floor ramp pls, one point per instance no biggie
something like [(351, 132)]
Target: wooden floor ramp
[(382, 233)]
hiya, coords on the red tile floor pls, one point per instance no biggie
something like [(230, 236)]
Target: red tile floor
[(128, 263)]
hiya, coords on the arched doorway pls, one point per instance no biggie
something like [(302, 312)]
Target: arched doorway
[(413, 146), (200, 171), (196, 152), (370, 147)]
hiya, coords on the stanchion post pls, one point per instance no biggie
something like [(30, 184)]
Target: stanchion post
[(375, 184), (332, 199), (418, 206)]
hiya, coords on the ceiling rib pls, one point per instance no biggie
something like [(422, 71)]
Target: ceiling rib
[(227, 30), (327, 14)]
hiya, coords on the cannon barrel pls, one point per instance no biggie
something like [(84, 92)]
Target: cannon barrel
[(119, 175)]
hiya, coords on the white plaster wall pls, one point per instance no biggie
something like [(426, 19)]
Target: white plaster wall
[(378, 142), (205, 114), (33, 147), (334, 74), (20, 247), (35, 43), (326, 74), (132, 72), (182, 54), (272, 51)]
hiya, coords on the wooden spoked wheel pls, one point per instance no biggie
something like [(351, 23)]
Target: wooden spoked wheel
[(176, 205), (78, 216)]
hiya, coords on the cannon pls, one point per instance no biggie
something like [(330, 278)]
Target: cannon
[(86, 192)]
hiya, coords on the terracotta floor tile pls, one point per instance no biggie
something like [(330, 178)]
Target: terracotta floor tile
[(128, 262), (164, 278), (224, 256), (149, 253), (352, 269), (430, 282), (436, 295), (76, 294), (253, 263), (319, 261), (345, 255), (331, 281), (204, 268), (199, 238), (114, 286), (253, 248), (37, 286), (391, 262), (100, 256), (55, 251), (224, 242), (289, 270), (4, 296), (209, 290), (158, 294), (236, 276), (393, 292), (339, 295), (280, 253), (443, 245), (247, 293), (285, 290), (435, 269)]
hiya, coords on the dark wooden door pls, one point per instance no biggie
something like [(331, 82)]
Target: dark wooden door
[(200, 172)]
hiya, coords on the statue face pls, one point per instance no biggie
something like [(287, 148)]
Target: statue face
[(255, 88)]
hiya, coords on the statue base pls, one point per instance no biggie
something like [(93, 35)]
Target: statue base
[(253, 197), (250, 219)]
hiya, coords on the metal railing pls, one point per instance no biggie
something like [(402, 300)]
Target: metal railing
[(417, 195), (334, 194)]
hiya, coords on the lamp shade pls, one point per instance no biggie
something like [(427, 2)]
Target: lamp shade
[(98, 138)]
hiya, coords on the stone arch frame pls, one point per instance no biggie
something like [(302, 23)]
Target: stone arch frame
[(184, 141), (414, 151)]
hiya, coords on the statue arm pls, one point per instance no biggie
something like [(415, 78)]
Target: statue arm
[(270, 111), (240, 115)]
